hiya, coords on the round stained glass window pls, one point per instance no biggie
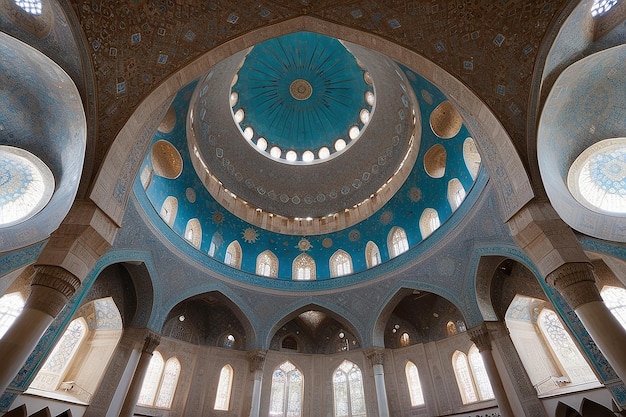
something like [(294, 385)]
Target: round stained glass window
[(597, 178), (26, 185)]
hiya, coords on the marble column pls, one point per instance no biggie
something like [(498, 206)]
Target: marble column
[(480, 336), (575, 281), (132, 396), (376, 359), (51, 289), (256, 359)]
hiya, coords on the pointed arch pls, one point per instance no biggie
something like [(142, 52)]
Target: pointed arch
[(193, 232), (224, 387), (267, 264), (429, 222), (287, 391), (303, 268), (151, 380), (464, 377), (413, 382), (372, 254), (169, 382), (456, 193), (169, 209), (397, 241), (340, 264), (348, 394), (233, 255), (479, 374)]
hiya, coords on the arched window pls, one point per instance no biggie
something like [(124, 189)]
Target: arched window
[(193, 232), (303, 268), (481, 379), (456, 193), (564, 348), (405, 339), (287, 391), (151, 380), (146, 177), (55, 367), (169, 210), (372, 254), (224, 386), (233, 255), (349, 397), (429, 222), (464, 378), (33, 7), (615, 300), (11, 306), (228, 341), (168, 383), (267, 264), (340, 264), (471, 157), (451, 328), (290, 343), (397, 242), (414, 384), (216, 242)]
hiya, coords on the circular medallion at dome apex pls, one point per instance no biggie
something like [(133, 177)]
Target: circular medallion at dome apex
[(301, 98), (316, 197), (597, 178), (26, 185)]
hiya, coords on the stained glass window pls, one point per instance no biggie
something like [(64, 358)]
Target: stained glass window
[(54, 368), (11, 306), (233, 255), (169, 210), (303, 268), (451, 328), (564, 348), (222, 397), (481, 379), (349, 398), (286, 391), (267, 264), (340, 264), (151, 380), (168, 383), (456, 193), (33, 7), (600, 7), (405, 339), (464, 378), (372, 254), (414, 384), (615, 300), (429, 222), (397, 242)]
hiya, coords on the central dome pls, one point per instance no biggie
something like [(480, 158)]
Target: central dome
[(301, 98), (309, 150)]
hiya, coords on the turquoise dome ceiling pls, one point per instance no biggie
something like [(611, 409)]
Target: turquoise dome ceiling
[(219, 227), (300, 92)]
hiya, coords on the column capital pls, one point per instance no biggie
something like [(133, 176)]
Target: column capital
[(256, 360), (576, 282), (376, 357), (151, 342), (480, 336), (51, 289)]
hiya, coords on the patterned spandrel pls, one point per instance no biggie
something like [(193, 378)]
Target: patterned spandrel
[(151, 380), (464, 378), (11, 306), (168, 384), (481, 378), (615, 300), (222, 398)]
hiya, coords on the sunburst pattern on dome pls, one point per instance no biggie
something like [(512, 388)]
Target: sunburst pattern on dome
[(301, 97)]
